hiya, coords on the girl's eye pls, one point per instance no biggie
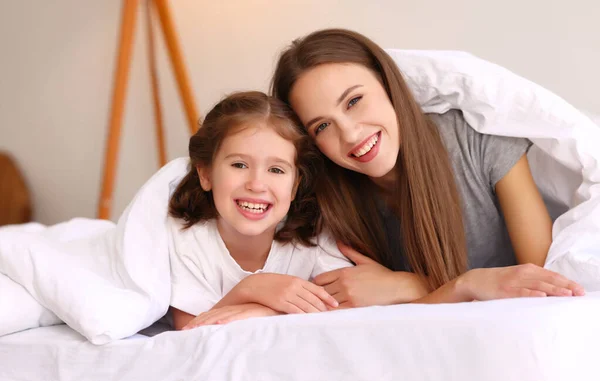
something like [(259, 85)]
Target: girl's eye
[(239, 165), (321, 127), (276, 170), (353, 101)]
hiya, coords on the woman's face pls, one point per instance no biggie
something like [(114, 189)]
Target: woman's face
[(346, 110)]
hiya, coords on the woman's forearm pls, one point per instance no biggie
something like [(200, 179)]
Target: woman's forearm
[(414, 289), (410, 287), (451, 292)]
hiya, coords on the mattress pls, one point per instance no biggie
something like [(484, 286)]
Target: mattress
[(513, 339)]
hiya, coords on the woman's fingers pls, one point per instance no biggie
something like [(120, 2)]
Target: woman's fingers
[(327, 278), (557, 280), (354, 255), (529, 293), (333, 289), (545, 287)]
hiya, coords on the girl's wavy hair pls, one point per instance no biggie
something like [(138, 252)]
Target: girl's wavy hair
[(426, 199), (234, 113)]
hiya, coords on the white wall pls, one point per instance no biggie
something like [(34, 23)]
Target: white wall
[(57, 60)]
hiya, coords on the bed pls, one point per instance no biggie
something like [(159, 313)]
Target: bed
[(514, 339), (118, 279)]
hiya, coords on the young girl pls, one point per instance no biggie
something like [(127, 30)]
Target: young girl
[(244, 218), (435, 197)]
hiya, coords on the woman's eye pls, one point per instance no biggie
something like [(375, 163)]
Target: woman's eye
[(321, 127), (239, 165), (353, 101), (276, 170)]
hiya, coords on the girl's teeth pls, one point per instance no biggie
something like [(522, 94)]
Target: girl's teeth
[(252, 207)]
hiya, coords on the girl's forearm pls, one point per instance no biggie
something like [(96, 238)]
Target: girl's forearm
[(238, 295)]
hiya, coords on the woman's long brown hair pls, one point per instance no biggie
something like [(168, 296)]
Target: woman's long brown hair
[(425, 199)]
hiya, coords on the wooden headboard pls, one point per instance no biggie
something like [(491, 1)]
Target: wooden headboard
[(15, 202)]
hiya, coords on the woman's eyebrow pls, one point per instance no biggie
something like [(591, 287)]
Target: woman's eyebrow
[(340, 99), (345, 93)]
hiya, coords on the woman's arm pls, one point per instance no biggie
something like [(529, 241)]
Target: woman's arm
[(369, 283), (527, 220)]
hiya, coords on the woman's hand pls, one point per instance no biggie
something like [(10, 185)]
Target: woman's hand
[(285, 293), (229, 314), (526, 280), (369, 283)]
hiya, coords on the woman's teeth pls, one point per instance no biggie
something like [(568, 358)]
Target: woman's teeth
[(252, 207), (367, 147)]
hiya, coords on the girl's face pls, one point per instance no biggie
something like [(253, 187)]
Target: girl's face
[(346, 110), (253, 181)]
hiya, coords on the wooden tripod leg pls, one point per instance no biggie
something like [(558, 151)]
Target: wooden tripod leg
[(181, 75), (160, 135), (118, 104)]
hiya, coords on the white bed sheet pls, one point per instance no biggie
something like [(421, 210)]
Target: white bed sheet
[(517, 339)]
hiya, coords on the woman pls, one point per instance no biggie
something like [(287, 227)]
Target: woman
[(424, 197)]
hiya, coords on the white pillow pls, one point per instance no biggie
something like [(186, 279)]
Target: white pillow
[(105, 281), (565, 156)]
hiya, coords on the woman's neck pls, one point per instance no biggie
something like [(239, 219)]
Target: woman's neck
[(250, 252), (386, 183)]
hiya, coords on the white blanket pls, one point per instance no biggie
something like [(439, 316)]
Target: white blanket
[(110, 281), (544, 339)]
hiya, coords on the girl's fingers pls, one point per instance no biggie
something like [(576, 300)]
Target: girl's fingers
[(321, 293), (291, 308), (302, 304), (312, 299)]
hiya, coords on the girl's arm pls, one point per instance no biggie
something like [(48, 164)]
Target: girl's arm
[(527, 220), (279, 292), (180, 318)]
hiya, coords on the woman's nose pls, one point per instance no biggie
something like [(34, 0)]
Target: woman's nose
[(349, 132)]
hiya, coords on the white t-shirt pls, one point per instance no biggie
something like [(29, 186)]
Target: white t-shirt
[(203, 271)]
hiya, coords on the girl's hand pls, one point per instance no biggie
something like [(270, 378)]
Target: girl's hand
[(369, 283), (526, 280), (286, 293), (229, 314)]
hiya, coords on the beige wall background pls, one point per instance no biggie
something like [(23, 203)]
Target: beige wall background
[(57, 60)]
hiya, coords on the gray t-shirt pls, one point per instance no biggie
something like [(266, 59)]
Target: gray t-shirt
[(479, 162)]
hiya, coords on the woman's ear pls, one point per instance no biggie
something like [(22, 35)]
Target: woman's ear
[(204, 175)]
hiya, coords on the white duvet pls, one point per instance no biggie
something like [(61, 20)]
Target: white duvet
[(549, 339), (109, 281)]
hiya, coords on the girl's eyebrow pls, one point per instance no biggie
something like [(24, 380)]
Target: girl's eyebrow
[(274, 159), (339, 100)]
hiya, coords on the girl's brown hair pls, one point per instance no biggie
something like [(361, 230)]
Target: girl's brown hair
[(425, 199), (232, 114)]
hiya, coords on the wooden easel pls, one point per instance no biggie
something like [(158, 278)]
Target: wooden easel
[(129, 14)]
